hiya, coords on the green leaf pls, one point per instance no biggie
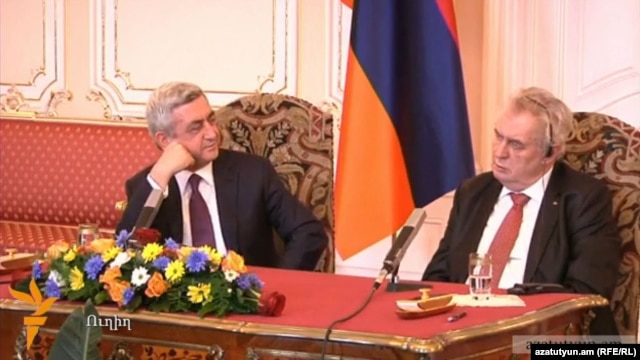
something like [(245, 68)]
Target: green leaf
[(23, 285), (134, 303), (206, 309), (76, 340), (161, 305), (101, 297)]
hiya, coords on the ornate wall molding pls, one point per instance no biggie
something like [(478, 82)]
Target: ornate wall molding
[(122, 90), (48, 77), (601, 65), (339, 25)]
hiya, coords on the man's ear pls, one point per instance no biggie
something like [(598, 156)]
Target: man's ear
[(161, 140)]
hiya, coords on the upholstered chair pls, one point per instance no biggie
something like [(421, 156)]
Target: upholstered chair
[(609, 149), (297, 138)]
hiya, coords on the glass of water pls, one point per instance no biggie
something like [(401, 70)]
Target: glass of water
[(480, 276)]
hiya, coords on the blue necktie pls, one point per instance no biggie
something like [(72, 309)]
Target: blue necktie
[(201, 226)]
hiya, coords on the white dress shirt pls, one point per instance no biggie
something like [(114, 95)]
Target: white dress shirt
[(208, 190), (514, 270)]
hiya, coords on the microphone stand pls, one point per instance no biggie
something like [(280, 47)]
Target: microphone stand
[(395, 285)]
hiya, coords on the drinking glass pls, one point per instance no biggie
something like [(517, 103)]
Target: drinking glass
[(480, 276), (87, 233)]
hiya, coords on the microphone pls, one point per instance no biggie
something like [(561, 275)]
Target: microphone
[(147, 215), (399, 248), (150, 209), (391, 262)]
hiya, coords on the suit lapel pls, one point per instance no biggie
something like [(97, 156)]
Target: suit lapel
[(471, 237), (226, 179), (546, 222)]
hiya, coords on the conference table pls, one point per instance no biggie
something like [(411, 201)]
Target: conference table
[(313, 301)]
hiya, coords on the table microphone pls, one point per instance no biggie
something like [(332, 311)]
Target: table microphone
[(150, 209), (147, 215), (391, 262), (400, 246)]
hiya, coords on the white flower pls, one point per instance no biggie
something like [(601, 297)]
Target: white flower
[(140, 276), (231, 275), (121, 259), (57, 278)]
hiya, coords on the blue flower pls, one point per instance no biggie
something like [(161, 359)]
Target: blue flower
[(197, 261), (51, 289), (171, 244), (121, 239), (36, 270), (127, 296), (162, 262), (246, 281), (93, 267)]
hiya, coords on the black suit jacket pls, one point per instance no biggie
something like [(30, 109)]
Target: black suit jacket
[(575, 241), (252, 203)]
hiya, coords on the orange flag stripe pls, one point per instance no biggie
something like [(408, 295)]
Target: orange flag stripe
[(371, 169)]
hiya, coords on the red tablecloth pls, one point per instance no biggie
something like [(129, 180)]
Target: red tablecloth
[(315, 300)]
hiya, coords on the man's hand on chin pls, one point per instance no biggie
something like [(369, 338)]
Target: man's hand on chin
[(174, 158)]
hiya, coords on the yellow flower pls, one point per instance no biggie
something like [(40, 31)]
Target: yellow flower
[(76, 277), (151, 251), (212, 253), (111, 253), (200, 293), (184, 252), (71, 254), (174, 271)]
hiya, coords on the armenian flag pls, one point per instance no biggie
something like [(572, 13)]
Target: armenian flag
[(404, 136)]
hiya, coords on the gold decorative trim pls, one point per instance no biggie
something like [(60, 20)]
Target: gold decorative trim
[(426, 345), (340, 54), (124, 122), (122, 343), (272, 74), (20, 346), (125, 76), (95, 95), (12, 101), (587, 317), (255, 353), (336, 17), (55, 99), (121, 352), (335, 109)]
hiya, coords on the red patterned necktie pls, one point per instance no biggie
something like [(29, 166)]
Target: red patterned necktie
[(200, 218), (502, 244)]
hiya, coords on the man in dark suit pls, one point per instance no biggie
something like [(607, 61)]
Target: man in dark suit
[(540, 220), (225, 199)]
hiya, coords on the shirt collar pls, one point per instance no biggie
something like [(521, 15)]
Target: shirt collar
[(535, 191), (205, 172)]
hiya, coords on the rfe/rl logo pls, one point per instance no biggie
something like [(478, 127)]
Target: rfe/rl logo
[(36, 319)]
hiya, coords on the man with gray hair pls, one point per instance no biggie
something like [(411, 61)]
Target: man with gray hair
[(225, 199), (541, 221)]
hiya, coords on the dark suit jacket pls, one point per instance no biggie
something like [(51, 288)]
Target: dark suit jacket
[(252, 202), (575, 241)]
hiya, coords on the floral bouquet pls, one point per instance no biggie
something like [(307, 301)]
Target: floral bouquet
[(159, 277)]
